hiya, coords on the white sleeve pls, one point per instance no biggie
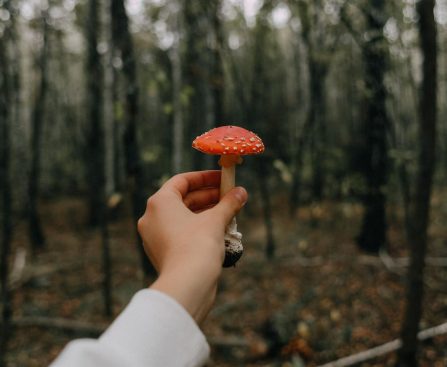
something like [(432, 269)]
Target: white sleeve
[(153, 330)]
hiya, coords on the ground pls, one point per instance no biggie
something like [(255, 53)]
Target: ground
[(319, 299)]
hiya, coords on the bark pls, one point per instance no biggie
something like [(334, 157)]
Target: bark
[(266, 207), (96, 146), (5, 186), (420, 215), (38, 117), (300, 137), (373, 232), (255, 118), (109, 89), (194, 71), (318, 71), (404, 181), (95, 138), (217, 76), (178, 121), (106, 260), (123, 43), (107, 162), (314, 129), (317, 68)]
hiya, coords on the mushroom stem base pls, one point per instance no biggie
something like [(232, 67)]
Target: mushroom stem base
[(233, 245)]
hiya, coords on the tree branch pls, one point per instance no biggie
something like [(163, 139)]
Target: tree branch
[(385, 348)]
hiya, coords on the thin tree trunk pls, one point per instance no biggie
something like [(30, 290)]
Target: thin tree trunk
[(96, 146), (107, 161), (254, 118), (95, 138), (217, 76), (35, 228), (300, 137), (109, 88), (106, 259), (266, 207), (421, 210), (373, 232), (404, 182), (295, 190), (5, 185), (134, 166), (178, 125), (196, 70), (315, 125)]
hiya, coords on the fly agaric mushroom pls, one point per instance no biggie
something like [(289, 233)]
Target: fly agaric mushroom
[(230, 142)]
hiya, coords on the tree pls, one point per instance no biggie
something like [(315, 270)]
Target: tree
[(420, 213), (178, 123), (38, 117), (320, 46), (372, 152), (217, 71), (254, 116), (95, 138), (6, 99), (96, 145), (196, 70), (123, 43)]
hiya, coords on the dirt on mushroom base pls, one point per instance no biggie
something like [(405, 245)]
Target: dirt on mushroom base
[(319, 296)]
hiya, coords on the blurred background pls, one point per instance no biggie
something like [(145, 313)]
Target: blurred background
[(345, 235)]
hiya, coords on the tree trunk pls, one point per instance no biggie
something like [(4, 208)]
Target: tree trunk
[(317, 123), (217, 75), (108, 107), (373, 233), (255, 117), (106, 258), (97, 146), (195, 71), (263, 166), (134, 166), (5, 186), (107, 160), (421, 208), (314, 128), (35, 228), (178, 122), (95, 138)]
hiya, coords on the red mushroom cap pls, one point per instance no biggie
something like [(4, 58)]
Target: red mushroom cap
[(229, 140)]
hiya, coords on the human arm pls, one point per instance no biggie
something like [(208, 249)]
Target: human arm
[(182, 229)]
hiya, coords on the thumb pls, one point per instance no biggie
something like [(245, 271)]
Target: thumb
[(231, 203)]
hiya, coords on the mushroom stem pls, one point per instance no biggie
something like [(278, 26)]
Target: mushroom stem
[(227, 180), (228, 164), (233, 244)]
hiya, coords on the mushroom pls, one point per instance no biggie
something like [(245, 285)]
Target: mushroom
[(230, 142)]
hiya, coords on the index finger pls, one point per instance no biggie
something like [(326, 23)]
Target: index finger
[(190, 181)]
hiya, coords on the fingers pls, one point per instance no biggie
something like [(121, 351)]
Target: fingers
[(230, 204), (200, 199), (183, 183)]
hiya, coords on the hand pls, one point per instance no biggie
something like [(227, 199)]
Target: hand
[(183, 234)]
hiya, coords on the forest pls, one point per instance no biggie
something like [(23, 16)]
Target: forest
[(345, 234)]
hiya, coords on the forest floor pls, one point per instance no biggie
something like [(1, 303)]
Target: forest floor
[(319, 299)]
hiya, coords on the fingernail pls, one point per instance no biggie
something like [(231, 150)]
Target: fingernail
[(241, 195)]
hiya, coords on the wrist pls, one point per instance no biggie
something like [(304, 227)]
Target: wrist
[(194, 290)]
